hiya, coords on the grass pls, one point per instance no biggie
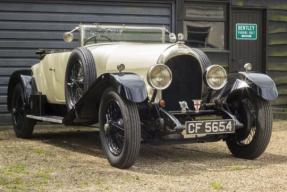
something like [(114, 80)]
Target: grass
[(3, 180), (15, 169), (237, 168), (216, 185), (11, 177), (18, 177), (99, 182), (40, 152), (13, 184), (63, 163), (43, 176)]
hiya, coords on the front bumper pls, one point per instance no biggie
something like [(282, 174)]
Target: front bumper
[(179, 126)]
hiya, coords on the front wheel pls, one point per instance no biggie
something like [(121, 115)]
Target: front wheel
[(252, 140), (120, 130)]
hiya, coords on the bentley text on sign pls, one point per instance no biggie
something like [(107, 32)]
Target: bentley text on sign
[(246, 31)]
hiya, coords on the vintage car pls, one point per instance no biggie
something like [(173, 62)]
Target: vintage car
[(143, 85)]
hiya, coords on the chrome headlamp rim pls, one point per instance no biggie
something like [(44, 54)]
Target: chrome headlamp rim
[(207, 73), (149, 76)]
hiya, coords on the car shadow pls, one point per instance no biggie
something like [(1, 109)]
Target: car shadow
[(188, 159), (193, 159), (80, 141)]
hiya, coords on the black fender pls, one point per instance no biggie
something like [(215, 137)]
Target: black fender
[(28, 84), (259, 84), (128, 85)]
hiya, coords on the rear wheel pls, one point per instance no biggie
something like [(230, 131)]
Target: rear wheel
[(252, 140), (120, 130), (23, 126)]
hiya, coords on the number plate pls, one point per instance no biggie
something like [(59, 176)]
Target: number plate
[(210, 127)]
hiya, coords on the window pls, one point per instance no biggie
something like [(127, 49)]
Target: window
[(113, 33), (204, 26)]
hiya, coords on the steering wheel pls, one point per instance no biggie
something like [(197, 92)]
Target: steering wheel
[(95, 39)]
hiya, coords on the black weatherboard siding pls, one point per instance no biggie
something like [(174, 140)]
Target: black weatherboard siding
[(276, 45), (28, 25)]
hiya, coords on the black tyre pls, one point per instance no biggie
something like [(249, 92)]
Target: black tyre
[(80, 74), (120, 130), (251, 141), (23, 126)]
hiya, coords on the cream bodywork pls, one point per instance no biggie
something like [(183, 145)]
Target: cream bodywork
[(137, 58), (49, 75)]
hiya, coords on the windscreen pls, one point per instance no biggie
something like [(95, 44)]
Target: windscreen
[(99, 34)]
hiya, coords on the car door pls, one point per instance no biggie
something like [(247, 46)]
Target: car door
[(53, 70), (57, 79)]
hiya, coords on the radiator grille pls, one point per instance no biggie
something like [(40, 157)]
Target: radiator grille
[(187, 82)]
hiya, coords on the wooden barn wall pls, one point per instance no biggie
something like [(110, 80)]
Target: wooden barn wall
[(27, 25), (276, 42)]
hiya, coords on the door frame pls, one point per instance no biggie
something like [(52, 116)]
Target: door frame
[(265, 37)]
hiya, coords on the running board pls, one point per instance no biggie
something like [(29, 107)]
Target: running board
[(52, 119)]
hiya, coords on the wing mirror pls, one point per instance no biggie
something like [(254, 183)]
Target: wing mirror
[(69, 36)]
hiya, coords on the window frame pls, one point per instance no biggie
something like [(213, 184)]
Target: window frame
[(225, 21)]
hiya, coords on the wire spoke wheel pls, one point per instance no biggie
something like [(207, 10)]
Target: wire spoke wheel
[(23, 126), (18, 113), (76, 82), (251, 141), (120, 130), (249, 138), (249, 116), (114, 128), (80, 74)]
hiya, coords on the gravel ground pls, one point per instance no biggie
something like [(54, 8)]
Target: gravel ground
[(61, 159)]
